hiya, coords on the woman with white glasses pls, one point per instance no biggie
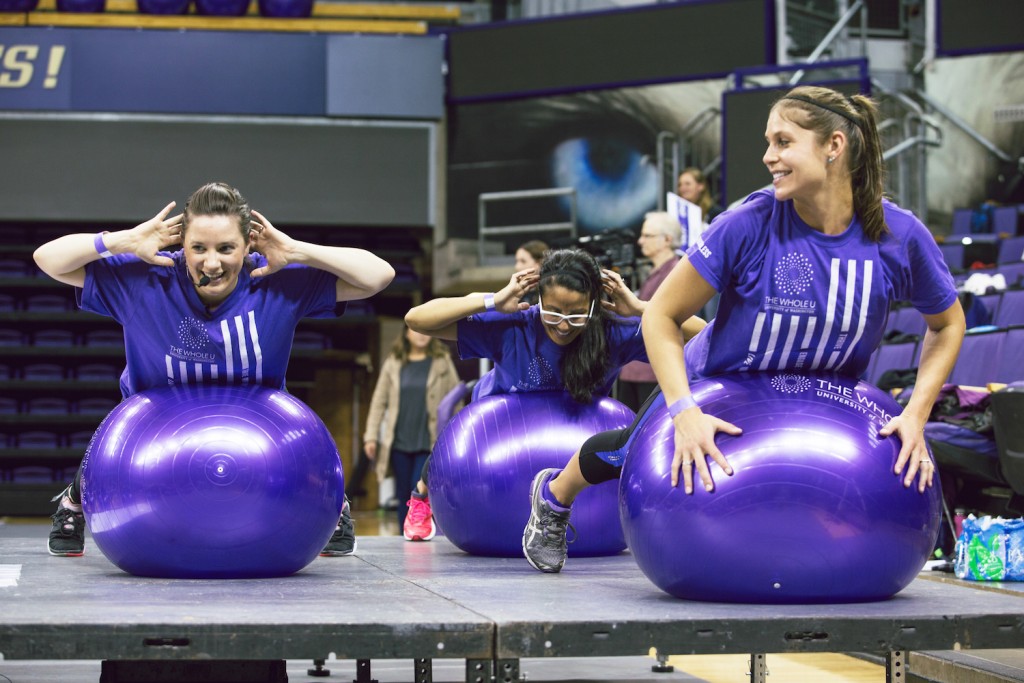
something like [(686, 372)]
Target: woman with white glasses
[(567, 341)]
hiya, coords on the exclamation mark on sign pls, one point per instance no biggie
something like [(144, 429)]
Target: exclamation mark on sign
[(53, 67)]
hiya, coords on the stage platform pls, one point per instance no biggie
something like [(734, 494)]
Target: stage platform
[(429, 602)]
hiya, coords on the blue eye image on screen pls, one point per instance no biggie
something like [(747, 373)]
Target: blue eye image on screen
[(615, 182)]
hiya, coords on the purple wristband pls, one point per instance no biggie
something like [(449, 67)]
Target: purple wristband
[(488, 302), (101, 248), (682, 404)]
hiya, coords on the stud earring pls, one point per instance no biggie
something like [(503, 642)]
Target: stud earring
[(831, 159)]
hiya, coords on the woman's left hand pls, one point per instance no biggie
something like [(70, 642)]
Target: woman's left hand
[(913, 453), (275, 246), (623, 301)]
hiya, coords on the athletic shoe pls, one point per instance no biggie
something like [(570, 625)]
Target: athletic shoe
[(419, 521), (343, 540), (544, 542), (67, 536)]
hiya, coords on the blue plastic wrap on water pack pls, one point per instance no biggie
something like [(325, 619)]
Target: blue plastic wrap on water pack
[(991, 549)]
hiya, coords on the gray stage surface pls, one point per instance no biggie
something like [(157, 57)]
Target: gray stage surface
[(429, 601)]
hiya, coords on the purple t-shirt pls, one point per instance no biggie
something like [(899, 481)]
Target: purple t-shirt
[(170, 338), (794, 298), (525, 358)]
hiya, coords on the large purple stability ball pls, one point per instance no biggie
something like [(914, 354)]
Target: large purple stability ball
[(486, 457), (212, 482), (814, 512)]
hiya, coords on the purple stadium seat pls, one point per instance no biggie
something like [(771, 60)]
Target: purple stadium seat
[(1011, 309), (9, 406), (900, 356), (906, 319), (991, 302), (978, 355), (1010, 367), (43, 372), (1011, 250), (38, 440), (48, 303), (96, 406), (11, 338), (104, 338), (1013, 272), (49, 405), (953, 254), (8, 302), (79, 441), (1004, 219), (962, 221), (97, 372), (53, 338), (14, 268)]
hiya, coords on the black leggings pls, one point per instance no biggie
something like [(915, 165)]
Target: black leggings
[(602, 455)]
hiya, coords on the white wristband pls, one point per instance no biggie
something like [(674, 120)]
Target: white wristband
[(488, 302), (682, 404)]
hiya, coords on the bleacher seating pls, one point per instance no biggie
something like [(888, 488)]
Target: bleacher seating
[(894, 356), (975, 364), (962, 221), (1006, 220), (1011, 250), (1011, 309)]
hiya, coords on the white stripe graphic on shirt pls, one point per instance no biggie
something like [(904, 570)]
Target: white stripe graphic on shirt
[(773, 338), (851, 291), (755, 336), (170, 368), (256, 350), (862, 322), (243, 351), (830, 313), (229, 356), (794, 325)]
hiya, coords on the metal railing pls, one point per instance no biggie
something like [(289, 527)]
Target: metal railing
[(504, 230)]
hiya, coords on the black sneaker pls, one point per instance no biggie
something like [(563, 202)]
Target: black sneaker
[(343, 540), (67, 536)]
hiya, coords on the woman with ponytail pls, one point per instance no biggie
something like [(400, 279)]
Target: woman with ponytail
[(806, 271)]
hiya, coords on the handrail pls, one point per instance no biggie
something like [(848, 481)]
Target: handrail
[(966, 128), (486, 197), (831, 36)]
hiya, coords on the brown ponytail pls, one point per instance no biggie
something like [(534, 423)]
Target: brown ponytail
[(827, 110)]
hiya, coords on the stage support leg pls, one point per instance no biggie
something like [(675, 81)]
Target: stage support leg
[(758, 668), (896, 667)]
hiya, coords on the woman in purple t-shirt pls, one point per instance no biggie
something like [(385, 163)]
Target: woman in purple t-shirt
[(213, 312), (806, 275)]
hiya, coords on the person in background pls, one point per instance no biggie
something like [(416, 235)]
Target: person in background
[(401, 427), (660, 236), (236, 282), (693, 187), (530, 255), (807, 271)]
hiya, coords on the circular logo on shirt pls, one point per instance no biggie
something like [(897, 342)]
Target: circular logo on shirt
[(793, 274), (193, 334), (790, 384), (540, 373)]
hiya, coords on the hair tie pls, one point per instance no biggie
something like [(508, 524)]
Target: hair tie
[(834, 110)]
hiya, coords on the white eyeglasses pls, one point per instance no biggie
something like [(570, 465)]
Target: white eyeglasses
[(575, 320)]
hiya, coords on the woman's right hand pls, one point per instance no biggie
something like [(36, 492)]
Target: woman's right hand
[(155, 235), (509, 299), (694, 439), (370, 448)]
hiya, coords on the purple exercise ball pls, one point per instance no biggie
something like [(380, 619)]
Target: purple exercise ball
[(18, 5), (813, 512), (487, 455), (212, 482)]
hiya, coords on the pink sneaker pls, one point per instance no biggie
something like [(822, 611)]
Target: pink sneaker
[(419, 522)]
